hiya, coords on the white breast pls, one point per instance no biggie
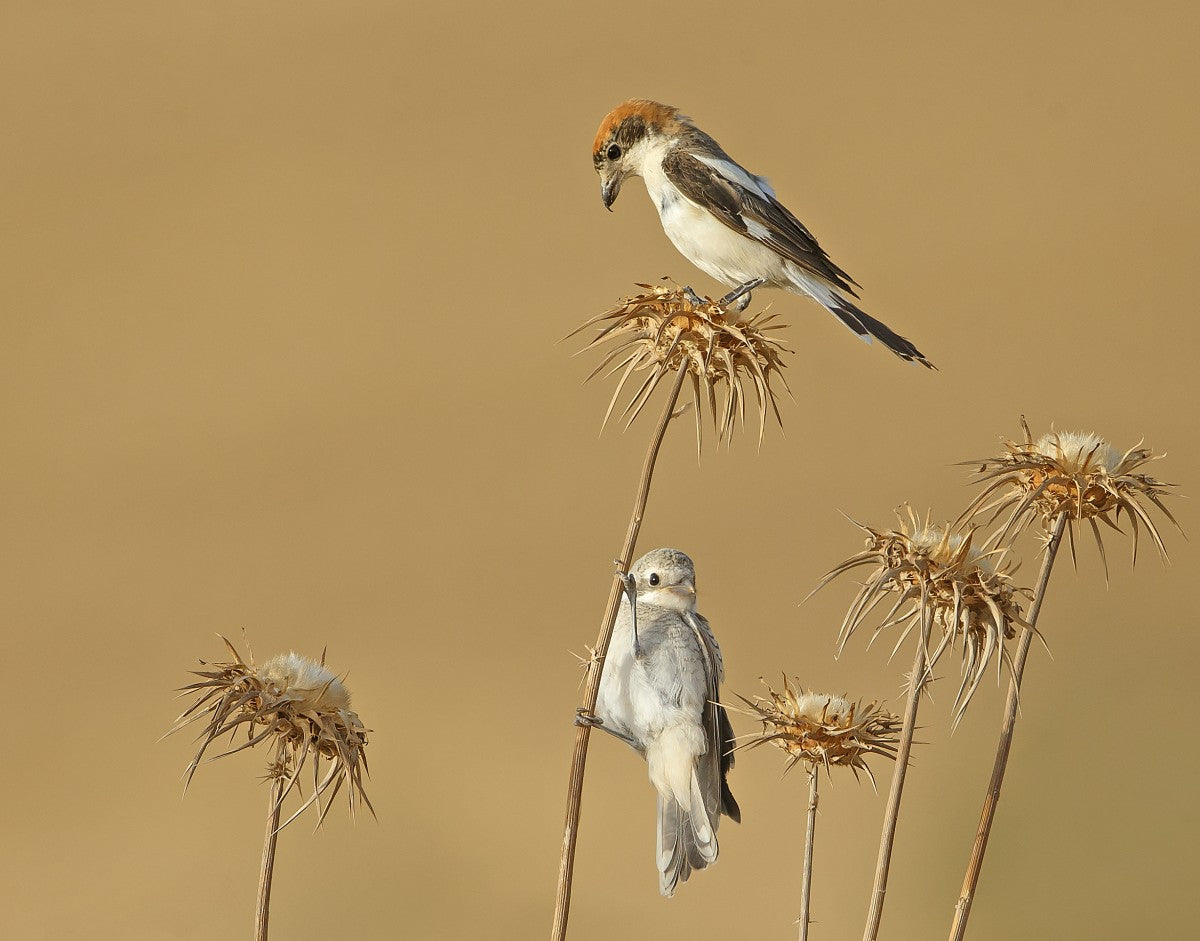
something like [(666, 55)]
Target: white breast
[(705, 241), (613, 702)]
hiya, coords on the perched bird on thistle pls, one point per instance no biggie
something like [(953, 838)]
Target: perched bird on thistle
[(724, 219), (659, 694)]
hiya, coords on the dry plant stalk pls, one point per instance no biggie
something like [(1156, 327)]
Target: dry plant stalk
[(936, 577), (823, 731), (301, 709), (661, 331), (1057, 481)]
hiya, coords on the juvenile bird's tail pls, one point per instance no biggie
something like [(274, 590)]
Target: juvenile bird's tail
[(687, 826), (862, 323), (687, 840)]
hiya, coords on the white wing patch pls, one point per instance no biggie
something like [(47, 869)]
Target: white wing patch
[(756, 229), (737, 174)]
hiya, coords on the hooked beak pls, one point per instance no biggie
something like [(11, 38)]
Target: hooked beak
[(609, 189), (686, 588)]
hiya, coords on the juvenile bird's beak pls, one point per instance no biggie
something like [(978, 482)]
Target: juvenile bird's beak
[(609, 189), (686, 587)]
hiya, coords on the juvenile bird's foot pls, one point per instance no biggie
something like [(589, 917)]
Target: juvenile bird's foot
[(692, 297), (629, 584), (590, 719), (593, 721)]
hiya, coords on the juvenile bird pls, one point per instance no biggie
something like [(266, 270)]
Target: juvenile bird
[(659, 694), (724, 219)]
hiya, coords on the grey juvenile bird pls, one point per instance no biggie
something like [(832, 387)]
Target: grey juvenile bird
[(659, 694)]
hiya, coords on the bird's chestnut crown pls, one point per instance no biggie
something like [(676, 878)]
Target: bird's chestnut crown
[(629, 123)]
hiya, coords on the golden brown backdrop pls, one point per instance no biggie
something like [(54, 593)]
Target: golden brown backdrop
[(281, 289)]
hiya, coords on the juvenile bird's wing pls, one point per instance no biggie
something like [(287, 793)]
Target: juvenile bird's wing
[(717, 761), (747, 204), (613, 703)]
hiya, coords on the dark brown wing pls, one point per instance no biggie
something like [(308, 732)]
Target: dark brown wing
[(756, 215)]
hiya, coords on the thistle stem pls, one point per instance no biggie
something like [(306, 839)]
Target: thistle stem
[(962, 911), (916, 682), (562, 900), (267, 869), (806, 877)]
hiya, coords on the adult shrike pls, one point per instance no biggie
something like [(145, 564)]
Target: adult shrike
[(724, 219), (659, 694)]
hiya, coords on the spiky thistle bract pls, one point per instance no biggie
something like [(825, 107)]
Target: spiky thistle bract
[(663, 330), (822, 729), (1076, 473), (940, 573), (292, 703)]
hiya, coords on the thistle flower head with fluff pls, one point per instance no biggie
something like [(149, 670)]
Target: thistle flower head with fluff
[(663, 330), (293, 703), (965, 590), (824, 730), (1074, 473)]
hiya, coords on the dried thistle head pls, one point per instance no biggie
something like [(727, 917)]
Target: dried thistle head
[(296, 705), (937, 573), (1076, 473), (663, 330), (823, 730)]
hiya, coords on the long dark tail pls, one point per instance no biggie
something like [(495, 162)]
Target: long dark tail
[(861, 322)]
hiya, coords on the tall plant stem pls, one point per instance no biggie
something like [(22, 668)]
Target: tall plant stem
[(962, 911), (566, 866), (916, 682), (806, 877), (267, 869)]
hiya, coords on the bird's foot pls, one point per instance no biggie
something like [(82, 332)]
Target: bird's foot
[(692, 297), (629, 589), (583, 717), (739, 298), (628, 582), (592, 721)]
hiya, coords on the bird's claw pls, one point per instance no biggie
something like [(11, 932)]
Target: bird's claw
[(739, 298), (628, 582), (629, 589), (692, 297), (588, 719)]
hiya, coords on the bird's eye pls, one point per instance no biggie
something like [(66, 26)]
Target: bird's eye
[(614, 152), (653, 579)]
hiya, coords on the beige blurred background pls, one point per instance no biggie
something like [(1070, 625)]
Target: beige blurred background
[(282, 286)]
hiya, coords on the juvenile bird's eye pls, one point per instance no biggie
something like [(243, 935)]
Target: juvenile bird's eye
[(653, 578), (614, 152)]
